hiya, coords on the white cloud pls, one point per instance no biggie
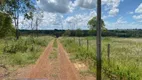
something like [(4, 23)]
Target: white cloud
[(131, 12), (71, 7), (26, 23), (133, 25), (55, 6), (104, 17), (121, 21), (79, 20), (113, 12), (89, 4), (140, 21), (112, 6), (139, 9), (51, 21), (64, 6), (137, 17)]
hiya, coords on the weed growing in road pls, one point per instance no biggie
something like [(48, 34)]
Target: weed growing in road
[(53, 54)]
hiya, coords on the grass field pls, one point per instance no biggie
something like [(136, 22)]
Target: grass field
[(124, 63), (22, 52), (125, 56)]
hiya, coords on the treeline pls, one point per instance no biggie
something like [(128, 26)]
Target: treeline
[(82, 33), (124, 33)]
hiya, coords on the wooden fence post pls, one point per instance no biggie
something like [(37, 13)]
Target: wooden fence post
[(87, 44), (108, 51)]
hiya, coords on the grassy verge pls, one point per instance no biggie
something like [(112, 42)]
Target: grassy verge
[(22, 52), (125, 59)]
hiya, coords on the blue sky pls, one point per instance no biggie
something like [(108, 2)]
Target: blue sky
[(73, 14), (125, 8)]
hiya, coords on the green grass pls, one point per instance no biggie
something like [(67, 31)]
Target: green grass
[(55, 43), (53, 54), (22, 52), (125, 58)]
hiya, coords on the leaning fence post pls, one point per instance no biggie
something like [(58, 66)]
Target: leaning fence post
[(108, 51)]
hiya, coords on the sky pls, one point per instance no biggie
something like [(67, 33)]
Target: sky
[(74, 14)]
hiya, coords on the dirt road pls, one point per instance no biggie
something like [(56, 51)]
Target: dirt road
[(53, 64), (67, 69), (41, 69)]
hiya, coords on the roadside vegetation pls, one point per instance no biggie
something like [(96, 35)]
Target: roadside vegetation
[(125, 59), (25, 50)]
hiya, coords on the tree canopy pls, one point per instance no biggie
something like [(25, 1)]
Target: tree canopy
[(93, 23), (6, 27), (17, 8), (67, 33), (79, 32)]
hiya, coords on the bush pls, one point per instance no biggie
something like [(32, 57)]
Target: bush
[(67, 33), (24, 45), (26, 50)]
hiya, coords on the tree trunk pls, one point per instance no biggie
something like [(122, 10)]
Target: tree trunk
[(37, 27)]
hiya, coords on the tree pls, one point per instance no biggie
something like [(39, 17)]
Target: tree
[(67, 33), (79, 32), (93, 23), (34, 19), (6, 27), (29, 18), (38, 19), (17, 8), (92, 32)]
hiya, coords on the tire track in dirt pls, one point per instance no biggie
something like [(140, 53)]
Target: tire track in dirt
[(49, 67), (67, 69), (54, 64), (41, 68)]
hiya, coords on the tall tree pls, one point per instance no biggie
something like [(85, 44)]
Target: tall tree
[(38, 19), (34, 19), (93, 23), (17, 8)]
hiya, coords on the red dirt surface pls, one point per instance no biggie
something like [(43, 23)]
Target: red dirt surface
[(48, 68), (44, 67), (41, 69), (67, 69)]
